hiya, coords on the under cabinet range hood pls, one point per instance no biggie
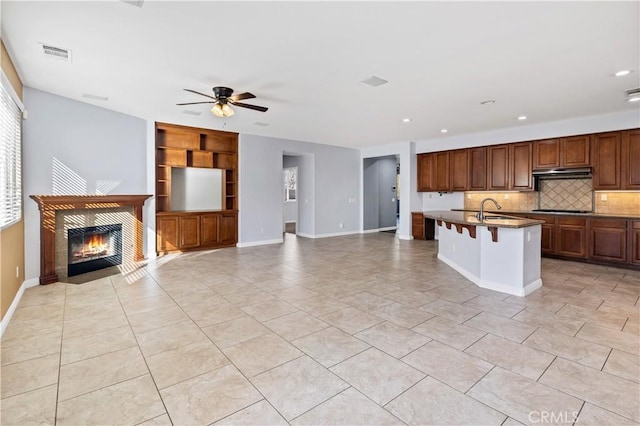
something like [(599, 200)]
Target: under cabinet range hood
[(578, 173), (584, 172)]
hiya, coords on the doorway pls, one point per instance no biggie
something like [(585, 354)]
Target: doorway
[(380, 193)]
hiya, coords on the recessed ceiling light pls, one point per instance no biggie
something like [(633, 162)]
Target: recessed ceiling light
[(406, 120), (522, 117), (95, 97), (622, 73), (443, 130), (374, 81), (489, 102)]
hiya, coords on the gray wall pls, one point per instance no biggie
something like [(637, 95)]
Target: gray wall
[(71, 147), (379, 201), (329, 184)]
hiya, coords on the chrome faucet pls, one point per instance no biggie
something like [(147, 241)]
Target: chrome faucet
[(480, 214)]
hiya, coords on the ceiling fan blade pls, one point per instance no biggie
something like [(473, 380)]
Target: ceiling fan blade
[(242, 96), (194, 103), (255, 107), (198, 93)]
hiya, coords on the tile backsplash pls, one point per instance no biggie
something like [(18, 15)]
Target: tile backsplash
[(510, 201), (618, 202), (566, 194)]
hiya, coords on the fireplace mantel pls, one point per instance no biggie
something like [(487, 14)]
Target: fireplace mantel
[(50, 204)]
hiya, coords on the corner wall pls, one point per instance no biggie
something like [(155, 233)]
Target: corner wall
[(74, 148), (12, 237)]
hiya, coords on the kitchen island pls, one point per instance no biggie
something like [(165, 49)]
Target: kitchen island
[(500, 252)]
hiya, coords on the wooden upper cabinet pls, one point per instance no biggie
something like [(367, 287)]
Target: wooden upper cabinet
[(426, 180), (459, 169), (441, 165), (520, 166), (477, 174), (606, 149), (498, 167), (546, 154), (630, 166), (575, 151)]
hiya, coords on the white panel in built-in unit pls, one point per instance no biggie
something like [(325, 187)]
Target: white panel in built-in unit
[(196, 189)]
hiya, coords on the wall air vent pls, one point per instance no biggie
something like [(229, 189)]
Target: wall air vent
[(95, 97), (56, 52)]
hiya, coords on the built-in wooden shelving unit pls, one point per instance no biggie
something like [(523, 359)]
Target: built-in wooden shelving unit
[(182, 146)]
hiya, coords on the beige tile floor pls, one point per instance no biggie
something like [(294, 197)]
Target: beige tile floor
[(356, 330)]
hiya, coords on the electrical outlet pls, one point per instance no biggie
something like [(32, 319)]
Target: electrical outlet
[(341, 225), (603, 197), (261, 231), (17, 272), (506, 196), (468, 196), (528, 235)]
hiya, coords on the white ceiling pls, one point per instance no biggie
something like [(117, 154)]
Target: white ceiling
[(306, 60)]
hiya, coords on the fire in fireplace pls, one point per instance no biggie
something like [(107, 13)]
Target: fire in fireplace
[(93, 248)]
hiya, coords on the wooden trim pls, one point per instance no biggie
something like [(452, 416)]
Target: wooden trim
[(494, 233), (50, 204)]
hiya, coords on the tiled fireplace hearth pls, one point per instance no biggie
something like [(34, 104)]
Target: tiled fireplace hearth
[(60, 214)]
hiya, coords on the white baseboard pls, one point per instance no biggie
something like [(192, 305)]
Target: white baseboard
[(468, 275), (334, 234), (12, 308), (260, 243), (371, 231), (404, 237)]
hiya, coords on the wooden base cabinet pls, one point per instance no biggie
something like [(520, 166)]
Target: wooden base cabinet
[(183, 231), (548, 239), (608, 240), (571, 233), (634, 241)]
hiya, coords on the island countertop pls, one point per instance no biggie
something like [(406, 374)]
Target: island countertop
[(469, 218)]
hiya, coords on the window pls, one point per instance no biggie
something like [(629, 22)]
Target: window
[(10, 158), (290, 183)]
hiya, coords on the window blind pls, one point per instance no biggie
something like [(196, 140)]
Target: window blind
[(10, 158)]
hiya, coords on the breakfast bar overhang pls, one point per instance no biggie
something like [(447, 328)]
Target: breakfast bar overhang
[(499, 253)]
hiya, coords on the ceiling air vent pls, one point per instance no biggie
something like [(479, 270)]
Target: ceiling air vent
[(136, 3), (189, 112), (374, 81), (261, 124), (56, 52)]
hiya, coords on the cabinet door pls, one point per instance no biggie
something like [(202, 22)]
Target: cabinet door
[(571, 237), (459, 169), (228, 229), (441, 162), (548, 240), (606, 161), (634, 239), (209, 233), (167, 233), (498, 165), (575, 151), (417, 226), (546, 154), (608, 240), (477, 158), (426, 181), (631, 159), (189, 231), (520, 156)]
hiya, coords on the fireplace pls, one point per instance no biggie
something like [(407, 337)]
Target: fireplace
[(93, 248)]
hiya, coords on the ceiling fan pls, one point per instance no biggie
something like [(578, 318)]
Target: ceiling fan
[(222, 98)]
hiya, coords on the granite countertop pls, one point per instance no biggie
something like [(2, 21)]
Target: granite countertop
[(605, 215), (469, 218)]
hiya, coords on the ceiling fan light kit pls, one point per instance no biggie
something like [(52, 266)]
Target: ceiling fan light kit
[(223, 96), (222, 110)]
